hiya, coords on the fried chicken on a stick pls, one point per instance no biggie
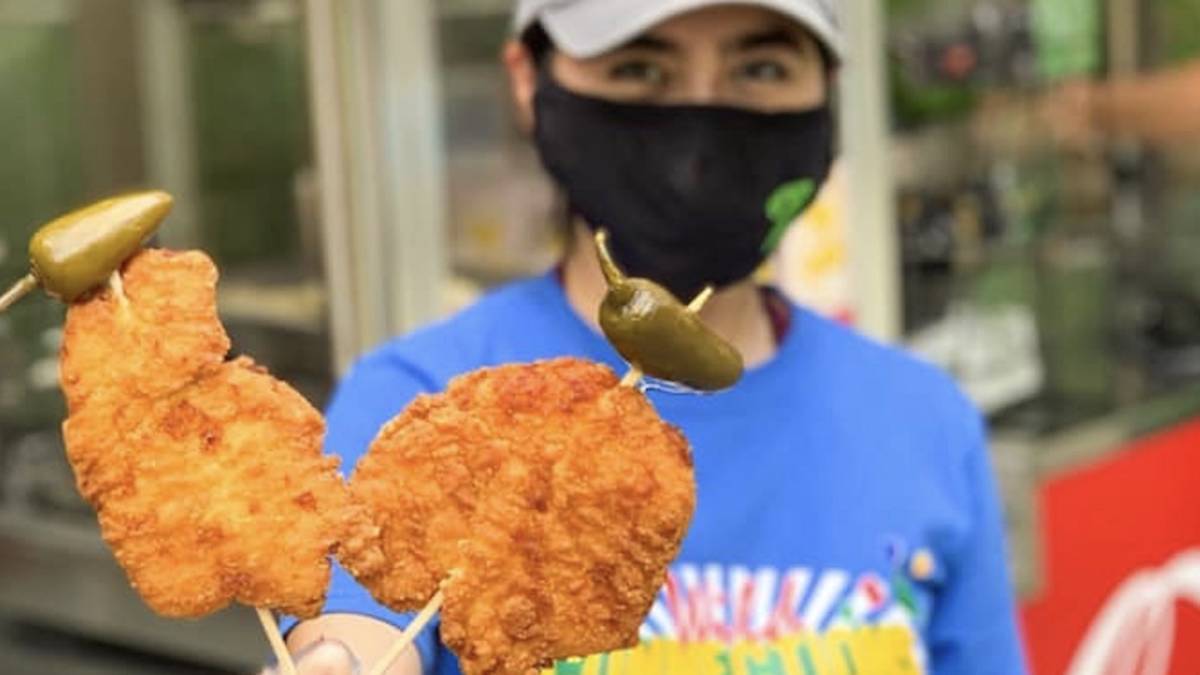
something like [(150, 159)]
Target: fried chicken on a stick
[(548, 498), (207, 476)]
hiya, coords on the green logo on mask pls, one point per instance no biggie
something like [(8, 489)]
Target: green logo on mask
[(784, 205)]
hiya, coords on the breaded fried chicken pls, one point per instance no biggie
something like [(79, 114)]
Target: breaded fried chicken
[(207, 476), (549, 498)]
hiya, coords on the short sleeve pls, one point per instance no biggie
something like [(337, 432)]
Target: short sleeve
[(375, 390), (973, 628)]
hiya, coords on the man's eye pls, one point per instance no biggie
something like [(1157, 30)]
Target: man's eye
[(764, 71), (639, 71)]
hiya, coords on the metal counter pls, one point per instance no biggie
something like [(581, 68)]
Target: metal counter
[(62, 577)]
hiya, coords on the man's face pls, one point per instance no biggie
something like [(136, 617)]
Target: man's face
[(739, 56)]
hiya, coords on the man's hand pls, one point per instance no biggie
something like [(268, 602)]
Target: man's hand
[(1073, 115), (367, 638), (327, 657)]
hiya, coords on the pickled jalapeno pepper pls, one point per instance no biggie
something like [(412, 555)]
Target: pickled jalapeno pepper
[(79, 251), (657, 334)]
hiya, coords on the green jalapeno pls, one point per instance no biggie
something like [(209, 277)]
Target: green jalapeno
[(657, 334), (80, 250)]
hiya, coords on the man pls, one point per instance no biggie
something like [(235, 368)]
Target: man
[(847, 519)]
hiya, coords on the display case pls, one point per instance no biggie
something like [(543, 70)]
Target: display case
[(504, 218), (1067, 265)]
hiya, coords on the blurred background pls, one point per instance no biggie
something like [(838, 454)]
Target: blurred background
[(353, 169)]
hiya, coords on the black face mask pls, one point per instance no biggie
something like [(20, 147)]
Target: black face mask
[(692, 195)]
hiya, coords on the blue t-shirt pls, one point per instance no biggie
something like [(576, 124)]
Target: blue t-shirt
[(847, 521)]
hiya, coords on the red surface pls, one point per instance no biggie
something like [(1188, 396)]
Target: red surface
[(1100, 524)]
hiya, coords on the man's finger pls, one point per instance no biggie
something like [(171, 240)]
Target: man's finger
[(328, 657)]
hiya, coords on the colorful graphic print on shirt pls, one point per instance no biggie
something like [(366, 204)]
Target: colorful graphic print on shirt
[(713, 620)]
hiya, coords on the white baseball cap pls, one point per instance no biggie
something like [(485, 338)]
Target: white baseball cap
[(585, 28)]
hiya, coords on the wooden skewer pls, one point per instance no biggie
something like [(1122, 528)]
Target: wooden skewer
[(631, 378), (435, 604), (282, 655), (18, 291), (418, 624), (118, 288), (701, 300)]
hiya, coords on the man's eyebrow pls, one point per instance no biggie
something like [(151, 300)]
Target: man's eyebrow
[(776, 37), (651, 43)]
